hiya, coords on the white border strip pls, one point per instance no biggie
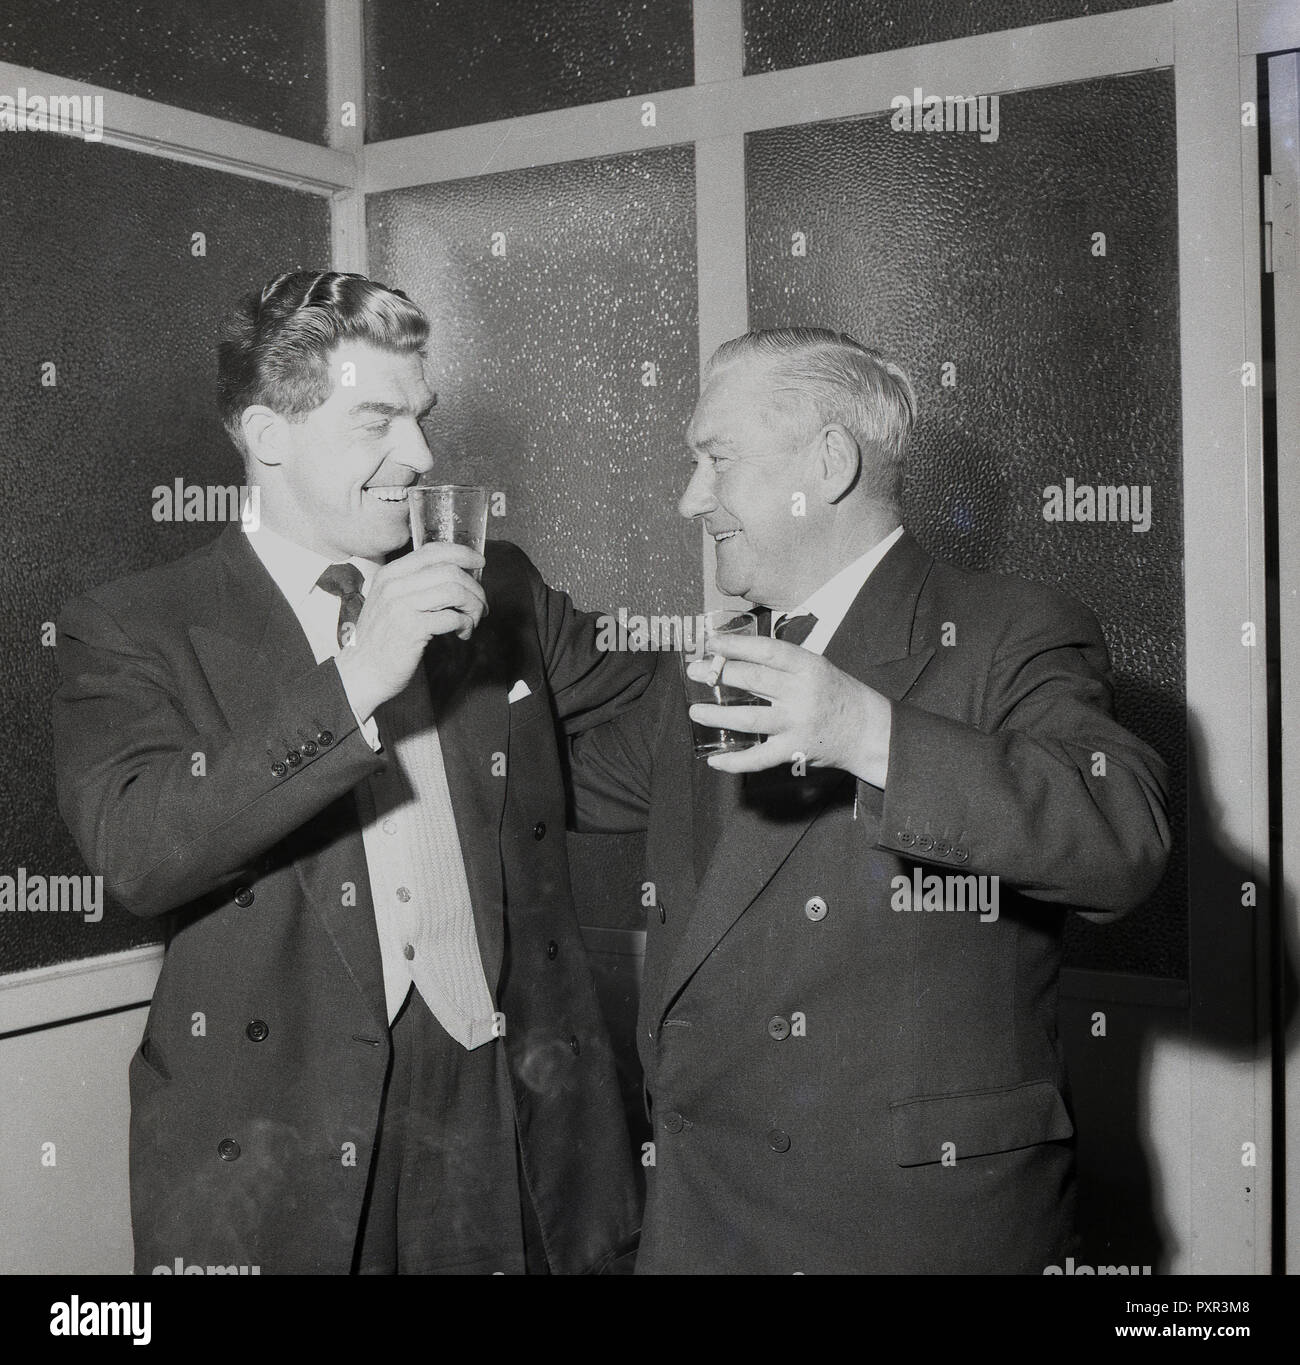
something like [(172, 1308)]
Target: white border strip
[(1017, 59), (1267, 26), (349, 245), (1229, 1099), (722, 282), (345, 73), (719, 40), (1284, 113), (197, 139), (722, 269), (722, 273), (346, 81), (72, 990)]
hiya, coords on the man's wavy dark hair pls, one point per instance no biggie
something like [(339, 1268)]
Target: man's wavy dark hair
[(274, 345)]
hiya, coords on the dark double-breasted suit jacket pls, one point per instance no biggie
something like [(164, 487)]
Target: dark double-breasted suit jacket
[(206, 767), (845, 1076)]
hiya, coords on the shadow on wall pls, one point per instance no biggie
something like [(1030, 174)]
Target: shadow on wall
[(1120, 1218)]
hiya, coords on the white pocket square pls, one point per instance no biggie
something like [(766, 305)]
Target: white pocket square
[(519, 691)]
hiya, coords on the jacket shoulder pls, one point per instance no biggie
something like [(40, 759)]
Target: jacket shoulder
[(510, 576), (998, 601), (505, 557), (164, 592)]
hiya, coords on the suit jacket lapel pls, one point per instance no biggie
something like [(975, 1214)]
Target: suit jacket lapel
[(257, 628), (249, 641), (883, 641)]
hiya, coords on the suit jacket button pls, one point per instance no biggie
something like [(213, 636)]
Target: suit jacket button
[(778, 1140), (324, 738), (778, 1028), (257, 1030), (663, 915), (278, 769), (924, 842), (244, 897), (574, 1045), (552, 951), (228, 1149), (961, 854), (815, 908), (539, 830), (673, 1122), (308, 748), (942, 848), (293, 758), (905, 838)]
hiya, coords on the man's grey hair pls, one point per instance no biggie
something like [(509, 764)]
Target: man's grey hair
[(817, 377)]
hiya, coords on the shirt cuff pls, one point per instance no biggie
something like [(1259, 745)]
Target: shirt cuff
[(369, 727)]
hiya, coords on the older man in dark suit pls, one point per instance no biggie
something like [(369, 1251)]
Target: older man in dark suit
[(375, 1044), (848, 1016)]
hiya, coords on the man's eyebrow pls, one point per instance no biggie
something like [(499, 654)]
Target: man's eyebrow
[(709, 442), (384, 409), (392, 409)]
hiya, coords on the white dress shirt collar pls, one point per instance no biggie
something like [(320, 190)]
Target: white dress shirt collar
[(831, 602), (295, 568)]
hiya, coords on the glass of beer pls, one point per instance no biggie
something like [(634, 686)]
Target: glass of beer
[(454, 514), (702, 679)]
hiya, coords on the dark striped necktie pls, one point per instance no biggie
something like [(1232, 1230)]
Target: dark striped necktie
[(794, 630), (344, 581)]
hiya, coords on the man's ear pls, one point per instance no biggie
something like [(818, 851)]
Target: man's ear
[(265, 435), (840, 462)]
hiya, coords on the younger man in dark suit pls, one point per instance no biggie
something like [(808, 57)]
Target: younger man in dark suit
[(375, 1044), (848, 1015)]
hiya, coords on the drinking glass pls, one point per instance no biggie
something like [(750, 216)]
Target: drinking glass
[(450, 513), (701, 677)]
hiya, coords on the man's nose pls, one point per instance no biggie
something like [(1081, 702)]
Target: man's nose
[(414, 451), (698, 497)]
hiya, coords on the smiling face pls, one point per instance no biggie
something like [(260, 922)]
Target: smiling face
[(335, 482), (749, 467)]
